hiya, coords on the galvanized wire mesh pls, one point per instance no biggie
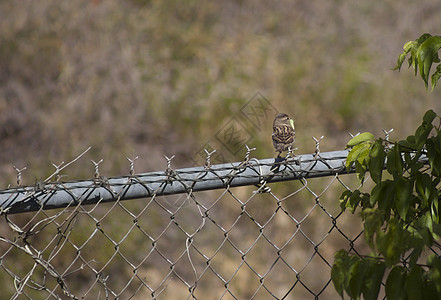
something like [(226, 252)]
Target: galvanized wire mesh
[(256, 229)]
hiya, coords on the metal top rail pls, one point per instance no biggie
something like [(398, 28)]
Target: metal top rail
[(252, 171)]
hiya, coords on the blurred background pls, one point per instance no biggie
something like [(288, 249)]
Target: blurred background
[(153, 78), (148, 78)]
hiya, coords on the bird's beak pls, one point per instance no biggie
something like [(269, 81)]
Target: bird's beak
[(291, 122)]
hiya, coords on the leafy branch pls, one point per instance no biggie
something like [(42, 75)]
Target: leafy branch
[(401, 216), (423, 53)]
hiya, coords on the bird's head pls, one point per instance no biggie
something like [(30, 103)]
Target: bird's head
[(283, 118)]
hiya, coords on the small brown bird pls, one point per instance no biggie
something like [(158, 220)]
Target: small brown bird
[(284, 133)]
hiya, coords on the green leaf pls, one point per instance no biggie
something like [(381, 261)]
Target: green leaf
[(354, 200), (429, 116), (415, 166), (360, 169), (437, 141), (426, 55), (365, 200), (423, 186), (340, 272), (411, 139), (400, 61), (398, 163), (390, 162), (362, 137), (436, 76), (353, 155), (426, 235), (407, 145), (376, 162), (359, 155), (357, 279), (421, 134), (394, 162), (363, 157), (414, 256), (395, 283), (374, 273), (344, 198), (429, 290), (434, 156), (436, 58), (424, 221), (437, 229), (414, 50), (414, 283), (403, 193), (422, 38), (435, 271), (375, 195), (393, 242), (408, 46), (411, 62), (386, 197), (372, 223)]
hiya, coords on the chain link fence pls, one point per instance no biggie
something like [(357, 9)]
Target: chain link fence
[(256, 229)]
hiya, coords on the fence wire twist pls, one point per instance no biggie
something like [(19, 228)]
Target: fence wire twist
[(211, 232)]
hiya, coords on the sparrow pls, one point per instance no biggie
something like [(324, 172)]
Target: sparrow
[(284, 133)]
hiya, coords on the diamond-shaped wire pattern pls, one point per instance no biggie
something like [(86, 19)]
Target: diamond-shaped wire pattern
[(264, 241)]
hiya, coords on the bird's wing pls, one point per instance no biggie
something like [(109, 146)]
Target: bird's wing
[(283, 134)]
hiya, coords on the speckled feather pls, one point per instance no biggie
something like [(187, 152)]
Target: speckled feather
[(283, 133)]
